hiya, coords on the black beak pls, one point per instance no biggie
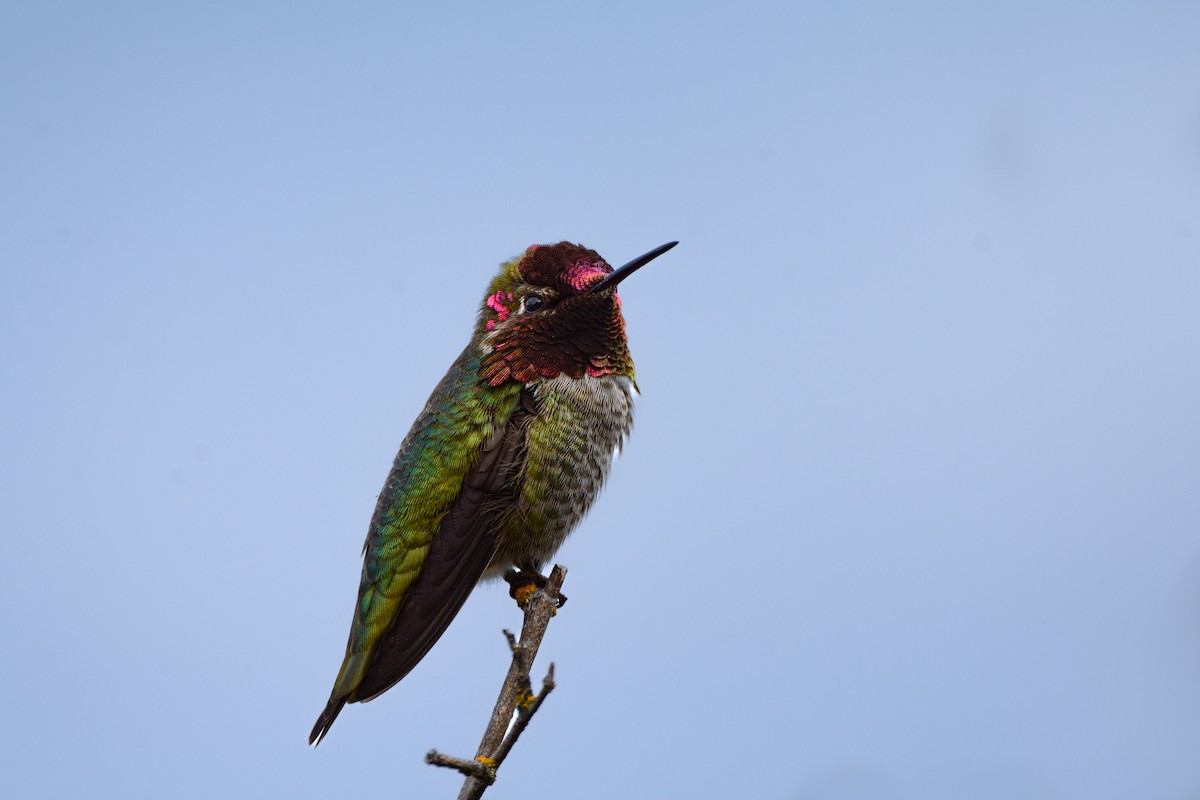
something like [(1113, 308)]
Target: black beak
[(611, 280)]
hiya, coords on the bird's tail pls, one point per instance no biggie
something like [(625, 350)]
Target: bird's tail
[(332, 709), (348, 679)]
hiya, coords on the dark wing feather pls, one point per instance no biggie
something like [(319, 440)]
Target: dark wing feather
[(464, 545)]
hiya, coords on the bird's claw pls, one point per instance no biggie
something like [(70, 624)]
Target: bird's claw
[(522, 583)]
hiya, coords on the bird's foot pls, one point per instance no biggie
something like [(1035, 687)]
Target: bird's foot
[(523, 582)]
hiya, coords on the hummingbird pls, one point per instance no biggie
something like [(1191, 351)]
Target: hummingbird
[(503, 462)]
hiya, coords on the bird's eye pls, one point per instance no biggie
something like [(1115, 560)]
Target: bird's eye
[(533, 302)]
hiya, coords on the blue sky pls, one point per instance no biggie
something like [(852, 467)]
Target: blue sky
[(910, 509)]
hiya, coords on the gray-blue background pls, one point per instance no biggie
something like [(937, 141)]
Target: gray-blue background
[(911, 509)]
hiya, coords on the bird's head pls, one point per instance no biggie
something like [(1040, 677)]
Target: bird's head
[(553, 311)]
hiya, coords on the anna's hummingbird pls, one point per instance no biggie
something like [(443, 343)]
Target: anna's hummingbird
[(506, 458)]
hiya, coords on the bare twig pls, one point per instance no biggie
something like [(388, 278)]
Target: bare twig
[(516, 695), (473, 769)]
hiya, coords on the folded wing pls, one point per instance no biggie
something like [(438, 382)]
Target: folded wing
[(465, 542)]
